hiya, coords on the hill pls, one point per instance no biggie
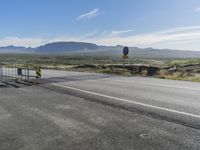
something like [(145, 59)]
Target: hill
[(14, 49), (93, 49), (63, 47)]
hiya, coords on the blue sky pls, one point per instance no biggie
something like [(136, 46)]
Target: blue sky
[(143, 23)]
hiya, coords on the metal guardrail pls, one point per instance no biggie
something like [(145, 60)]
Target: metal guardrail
[(24, 74)]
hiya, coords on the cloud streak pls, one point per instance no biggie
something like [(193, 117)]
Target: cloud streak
[(197, 9), (186, 38), (120, 32), (178, 38), (27, 42), (95, 12)]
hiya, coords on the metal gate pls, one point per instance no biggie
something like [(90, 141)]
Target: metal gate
[(9, 74)]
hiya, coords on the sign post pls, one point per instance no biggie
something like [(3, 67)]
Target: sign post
[(1, 72), (38, 74), (124, 57), (27, 67), (19, 72)]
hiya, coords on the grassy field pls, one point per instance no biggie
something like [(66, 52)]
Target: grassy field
[(176, 69), (72, 59)]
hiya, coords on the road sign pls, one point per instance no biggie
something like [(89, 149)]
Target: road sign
[(125, 51), (38, 73), (125, 56)]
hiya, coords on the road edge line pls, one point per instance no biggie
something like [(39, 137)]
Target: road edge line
[(129, 101)]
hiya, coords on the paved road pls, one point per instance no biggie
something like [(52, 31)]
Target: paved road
[(177, 100), (72, 110)]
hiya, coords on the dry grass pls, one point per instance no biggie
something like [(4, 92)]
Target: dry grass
[(179, 76)]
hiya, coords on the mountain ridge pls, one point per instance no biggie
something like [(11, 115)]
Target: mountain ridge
[(84, 47)]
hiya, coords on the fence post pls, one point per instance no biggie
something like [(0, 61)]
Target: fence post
[(1, 72), (27, 67), (38, 74)]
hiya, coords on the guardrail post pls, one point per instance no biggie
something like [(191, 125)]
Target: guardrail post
[(38, 74), (1, 72), (27, 67)]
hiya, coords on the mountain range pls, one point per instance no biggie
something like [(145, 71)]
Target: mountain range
[(90, 48)]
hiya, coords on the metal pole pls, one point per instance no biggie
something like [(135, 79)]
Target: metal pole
[(16, 72), (25, 72), (1, 73), (27, 65), (123, 66), (6, 74), (134, 70)]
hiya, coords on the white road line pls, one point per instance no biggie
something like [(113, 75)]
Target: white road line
[(163, 85), (128, 101)]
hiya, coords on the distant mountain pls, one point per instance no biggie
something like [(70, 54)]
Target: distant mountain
[(63, 47), (14, 49), (93, 49), (150, 52)]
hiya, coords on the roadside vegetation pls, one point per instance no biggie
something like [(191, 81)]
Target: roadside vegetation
[(175, 69)]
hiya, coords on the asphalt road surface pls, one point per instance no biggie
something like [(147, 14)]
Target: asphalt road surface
[(73, 110)]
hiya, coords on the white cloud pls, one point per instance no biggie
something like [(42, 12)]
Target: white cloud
[(95, 12), (92, 34), (186, 38), (179, 38), (197, 9), (28, 42), (119, 32)]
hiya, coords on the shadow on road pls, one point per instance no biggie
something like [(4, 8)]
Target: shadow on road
[(74, 78), (14, 84)]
